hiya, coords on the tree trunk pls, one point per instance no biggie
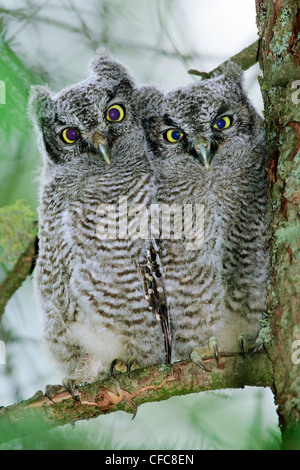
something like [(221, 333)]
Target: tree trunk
[(278, 23)]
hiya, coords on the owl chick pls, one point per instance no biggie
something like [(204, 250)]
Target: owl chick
[(98, 282), (209, 153)]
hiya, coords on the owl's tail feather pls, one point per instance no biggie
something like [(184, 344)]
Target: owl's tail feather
[(152, 277)]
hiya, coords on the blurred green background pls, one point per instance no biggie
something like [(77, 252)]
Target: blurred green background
[(159, 40)]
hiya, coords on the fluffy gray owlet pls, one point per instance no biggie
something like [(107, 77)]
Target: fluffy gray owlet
[(209, 153), (93, 273)]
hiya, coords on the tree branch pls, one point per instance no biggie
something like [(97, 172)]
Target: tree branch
[(18, 243), (151, 384), (245, 59), (14, 278)]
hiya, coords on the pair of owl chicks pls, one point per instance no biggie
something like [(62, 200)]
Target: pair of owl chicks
[(117, 303)]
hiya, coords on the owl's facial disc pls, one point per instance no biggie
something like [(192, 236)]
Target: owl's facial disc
[(101, 145)]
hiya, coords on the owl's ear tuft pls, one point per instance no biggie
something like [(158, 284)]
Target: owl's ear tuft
[(107, 67), (101, 57), (232, 71), (149, 101), (40, 104)]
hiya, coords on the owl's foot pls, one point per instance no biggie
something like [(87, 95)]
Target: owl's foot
[(118, 366), (132, 364), (197, 359), (121, 366), (243, 345), (52, 390), (259, 345), (68, 385)]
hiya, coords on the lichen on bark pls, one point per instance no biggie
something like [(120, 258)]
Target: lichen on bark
[(278, 23), (125, 393)]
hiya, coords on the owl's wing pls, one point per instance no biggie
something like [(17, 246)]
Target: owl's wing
[(152, 278)]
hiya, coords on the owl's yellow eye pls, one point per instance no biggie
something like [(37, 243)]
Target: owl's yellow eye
[(223, 123), (69, 135), (115, 113), (173, 135)]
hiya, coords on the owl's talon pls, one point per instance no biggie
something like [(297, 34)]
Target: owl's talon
[(67, 385), (49, 396), (52, 390), (135, 410), (70, 385), (197, 359), (132, 364), (213, 343), (259, 344), (118, 365), (242, 344)]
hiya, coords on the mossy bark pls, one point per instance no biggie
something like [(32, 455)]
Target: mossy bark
[(151, 384), (278, 23), (18, 247)]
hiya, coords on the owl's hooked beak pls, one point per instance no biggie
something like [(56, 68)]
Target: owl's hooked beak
[(101, 145), (202, 148), (104, 153)]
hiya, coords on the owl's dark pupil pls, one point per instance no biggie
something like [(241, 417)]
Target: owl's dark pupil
[(114, 114), (175, 135), (71, 134), (221, 123)]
